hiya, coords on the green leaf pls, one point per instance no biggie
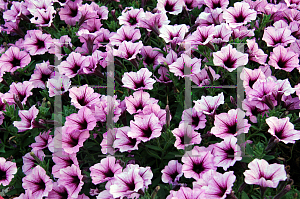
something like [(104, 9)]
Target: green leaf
[(249, 149), (152, 153), (153, 147), (244, 195), (268, 157), (253, 197), (246, 159)]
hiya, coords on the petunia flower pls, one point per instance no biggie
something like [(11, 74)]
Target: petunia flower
[(73, 139), (202, 35), (221, 34), (275, 37), (256, 54), (87, 12), (42, 73), (173, 33), (191, 4), (220, 185), (123, 142), (29, 162), (43, 17), (227, 153), (37, 43), (105, 170), (145, 129), (241, 32), (229, 58), (58, 85), (290, 103), (283, 130), (16, 12), (196, 163), (42, 141), (73, 65), (139, 80), (14, 59), (131, 17), (209, 104), (127, 184), (125, 33), (71, 179), (202, 78), (58, 192), (128, 50), (163, 71), (249, 77), (70, 13), (284, 59), (62, 160), (185, 136), (21, 89), (83, 120), (185, 61), (210, 17), (151, 56), (194, 118), (252, 111), (263, 174), (172, 172), (83, 96), (230, 124), (38, 182), (27, 120), (144, 172), (187, 193), (171, 6), (26, 195), (239, 15), (8, 169), (154, 21)]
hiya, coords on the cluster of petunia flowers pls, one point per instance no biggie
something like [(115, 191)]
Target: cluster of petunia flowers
[(216, 25)]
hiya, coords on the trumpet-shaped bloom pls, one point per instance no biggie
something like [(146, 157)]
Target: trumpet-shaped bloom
[(83, 96), (128, 50), (284, 59), (105, 170), (256, 54), (275, 37), (42, 141), (27, 119), (62, 160), (185, 136), (203, 79), (213, 4), (227, 153), (42, 73), (145, 129), (239, 15), (43, 17), (229, 58), (209, 104), (58, 85), (151, 56), (7, 169), (125, 33), (173, 33), (138, 80), (283, 130), (210, 17), (21, 89), (230, 124), (221, 34), (13, 59), (197, 162), (202, 35), (187, 193), (252, 110), (37, 43), (71, 179), (154, 21), (249, 77), (194, 118), (107, 144), (70, 13), (173, 7), (131, 17), (73, 139), (29, 162), (123, 142), (184, 61), (38, 182), (263, 174), (172, 172)]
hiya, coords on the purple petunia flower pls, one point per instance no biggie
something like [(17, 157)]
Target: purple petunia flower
[(145, 129), (21, 89), (27, 119), (37, 43), (42, 141), (213, 4), (202, 35), (209, 104), (284, 59), (172, 172), (38, 182), (252, 110), (185, 136), (226, 153), (62, 160), (8, 169), (229, 58), (194, 118), (73, 139), (131, 17), (58, 85), (230, 124), (105, 170), (70, 13), (256, 54), (42, 73), (83, 96), (151, 56), (263, 174), (107, 144), (197, 162), (128, 50), (123, 142), (71, 179), (193, 65), (275, 37), (187, 193), (125, 33), (239, 15), (154, 21), (173, 7), (283, 130), (29, 162), (138, 80)]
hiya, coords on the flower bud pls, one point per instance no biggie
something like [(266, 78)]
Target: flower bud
[(283, 192)]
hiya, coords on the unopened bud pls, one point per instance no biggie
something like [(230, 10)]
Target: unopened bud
[(18, 102), (272, 143), (120, 6), (157, 188), (167, 116), (35, 157), (283, 192), (44, 102)]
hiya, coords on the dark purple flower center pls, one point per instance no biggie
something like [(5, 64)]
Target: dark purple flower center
[(82, 101), (222, 190), (149, 60), (109, 173), (173, 175), (69, 162), (216, 5), (83, 125), (230, 153), (198, 167), (251, 82), (21, 96), (195, 120), (2, 105), (132, 21), (280, 134), (2, 175), (131, 185), (231, 129), (132, 141), (185, 139), (189, 4), (40, 44), (75, 68), (73, 12), (139, 84), (45, 77), (169, 7), (147, 132), (73, 141), (240, 18), (41, 185), (139, 106), (75, 180), (16, 62), (229, 62), (281, 63), (64, 194)]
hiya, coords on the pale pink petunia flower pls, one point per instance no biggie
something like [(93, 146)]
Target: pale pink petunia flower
[(185, 136), (263, 174), (172, 172), (137, 101), (83, 96), (173, 7), (37, 43), (283, 130), (128, 50), (173, 33), (29, 162), (107, 144), (139, 80), (213, 4), (7, 169), (73, 139), (58, 85), (62, 160), (209, 104), (256, 54), (185, 61), (42, 73), (131, 17), (275, 37), (42, 141), (123, 142), (194, 118)]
